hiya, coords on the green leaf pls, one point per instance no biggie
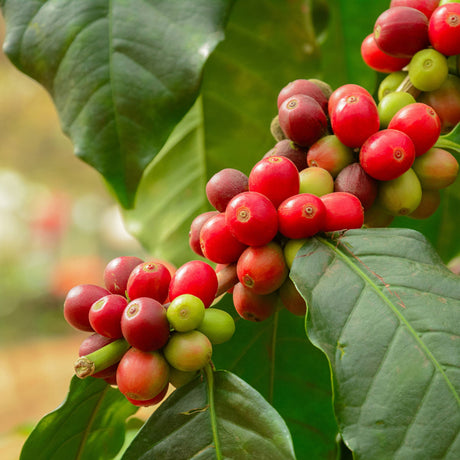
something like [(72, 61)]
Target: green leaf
[(386, 312), (90, 424), (451, 141), (229, 127), (122, 73), (275, 358), (219, 417)]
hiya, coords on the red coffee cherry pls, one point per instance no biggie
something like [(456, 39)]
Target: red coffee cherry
[(95, 342), (275, 177), (197, 278), (262, 269), (387, 154), (78, 303), (218, 243), (351, 110), (144, 324), (345, 91), (444, 29), (149, 279), (376, 59), (117, 271), (224, 185), (105, 315), (301, 216), (252, 218), (150, 402), (421, 123), (287, 148), (142, 375), (252, 306), (302, 86), (343, 211), (425, 6), (302, 120), (195, 230), (401, 31), (291, 298)]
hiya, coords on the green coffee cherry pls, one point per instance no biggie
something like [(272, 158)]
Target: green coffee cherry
[(390, 104), (217, 325), (391, 83), (179, 378), (185, 312), (291, 249), (428, 69), (317, 181)]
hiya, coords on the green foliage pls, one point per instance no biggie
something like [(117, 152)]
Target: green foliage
[(218, 417), (90, 424), (385, 310)]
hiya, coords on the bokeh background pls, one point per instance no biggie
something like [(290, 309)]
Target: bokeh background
[(58, 228)]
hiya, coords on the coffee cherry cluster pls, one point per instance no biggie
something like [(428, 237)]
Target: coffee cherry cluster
[(161, 318), (417, 42)]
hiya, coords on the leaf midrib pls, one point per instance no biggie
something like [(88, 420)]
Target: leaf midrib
[(394, 309)]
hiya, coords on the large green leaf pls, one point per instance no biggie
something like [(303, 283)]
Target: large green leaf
[(90, 424), (122, 73), (275, 358), (217, 417), (386, 311)]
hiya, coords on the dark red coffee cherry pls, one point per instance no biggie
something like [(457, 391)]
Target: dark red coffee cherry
[(105, 315), (149, 279), (290, 150), (195, 230), (425, 6), (252, 306), (444, 29), (144, 324), (291, 298), (343, 211), (224, 185), (95, 342), (78, 303), (302, 86), (252, 218), (117, 271)]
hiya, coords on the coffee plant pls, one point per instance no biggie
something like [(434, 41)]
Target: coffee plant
[(290, 168)]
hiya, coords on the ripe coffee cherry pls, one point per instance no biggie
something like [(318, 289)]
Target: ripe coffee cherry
[(301, 216), (391, 83), (197, 278), (117, 272), (421, 123), (377, 216), (317, 181), (78, 303), (291, 298), (391, 103), (287, 148), (444, 29), (401, 196), (188, 351), (179, 378), (142, 375), (144, 324), (352, 110), (105, 315), (252, 218), (291, 248), (150, 402), (252, 306), (302, 86), (345, 91), (436, 169), (224, 185), (149, 279), (302, 120), (185, 312), (330, 154), (353, 179), (195, 230), (262, 269), (376, 59), (217, 325), (343, 211), (428, 70), (92, 343), (387, 154), (425, 6), (431, 199), (401, 31), (217, 242)]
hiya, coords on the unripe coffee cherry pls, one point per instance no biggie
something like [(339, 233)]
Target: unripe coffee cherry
[(144, 324), (343, 211), (401, 31), (185, 312), (387, 154), (302, 120), (188, 351), (401, 196), (195, 277), (195, 230), (149, 279), (224, 185), (376, 216), (301, 216), (142, 375), (262, 269), (252, 218), (390, 104), (391, 83), (217, 325), (105, 315), (252, 306), (291, 248), (315, 180), (117, 271), (291, 298), (275, 177), (431, 199), (302, 86), (444, 29), (179, 378), (428, 70), (290, 150)]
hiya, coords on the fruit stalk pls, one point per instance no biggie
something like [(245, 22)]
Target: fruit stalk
[(407, 87)]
